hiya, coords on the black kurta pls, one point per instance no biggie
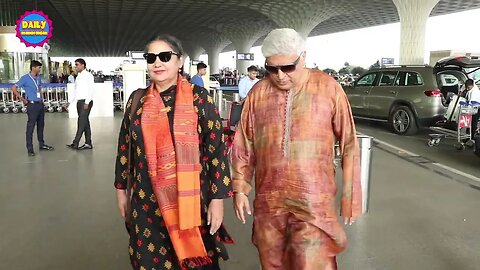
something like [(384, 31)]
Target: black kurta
[(150, 246)]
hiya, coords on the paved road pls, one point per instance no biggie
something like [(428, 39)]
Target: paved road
[(445, 153), (59, 211)]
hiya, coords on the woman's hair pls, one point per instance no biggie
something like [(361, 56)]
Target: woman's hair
[(284, 41), (174, 42)]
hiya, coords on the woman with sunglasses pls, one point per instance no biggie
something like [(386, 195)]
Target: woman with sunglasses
[(285, 141), (176, 212)]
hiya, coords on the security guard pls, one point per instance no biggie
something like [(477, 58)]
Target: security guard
[(35, 107)]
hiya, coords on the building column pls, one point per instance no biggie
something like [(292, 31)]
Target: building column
[(242, 46), (194, 55), (413, 21), (194, 52), (304, 18), (213, 56)]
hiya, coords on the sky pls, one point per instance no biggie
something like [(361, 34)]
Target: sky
[(361, 47)]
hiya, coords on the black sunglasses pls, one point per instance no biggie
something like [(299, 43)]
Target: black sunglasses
[(284, 68), (163, 56)]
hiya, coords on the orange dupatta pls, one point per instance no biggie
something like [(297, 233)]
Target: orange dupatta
[(174, 169)]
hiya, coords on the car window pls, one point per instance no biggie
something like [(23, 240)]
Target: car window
[(408, 79), (400, 81), (448, 80), (388, 78), (367, 80), (413, 78)]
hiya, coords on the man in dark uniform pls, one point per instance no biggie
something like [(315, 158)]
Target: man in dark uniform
[(35, 109)]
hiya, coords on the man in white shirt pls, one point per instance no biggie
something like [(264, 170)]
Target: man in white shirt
[(473, 95), (83, 96), (247, 82)]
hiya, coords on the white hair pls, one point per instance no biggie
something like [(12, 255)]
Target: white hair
[(284, 41)]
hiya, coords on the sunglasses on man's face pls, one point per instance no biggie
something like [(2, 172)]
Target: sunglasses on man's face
[(163, 56), (284, 68)]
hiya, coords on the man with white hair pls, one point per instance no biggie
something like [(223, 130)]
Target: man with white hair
[(285, 139)]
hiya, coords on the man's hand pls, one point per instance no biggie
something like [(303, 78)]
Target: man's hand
[(122, 202), (241, 203), (349, 220), (215, 215), (85, 106)]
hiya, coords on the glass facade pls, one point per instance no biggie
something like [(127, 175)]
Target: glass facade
[(13, 65)]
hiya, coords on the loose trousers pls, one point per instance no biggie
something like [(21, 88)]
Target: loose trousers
[(286, 243)]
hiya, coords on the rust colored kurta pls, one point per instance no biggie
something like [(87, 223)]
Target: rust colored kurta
[(285, 142)]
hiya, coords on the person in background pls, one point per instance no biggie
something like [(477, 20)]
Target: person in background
[(35, 108), (176, 210), (473, 95), (83, 96), (284, 145), (201, 71), (247, 82), (71, 77)]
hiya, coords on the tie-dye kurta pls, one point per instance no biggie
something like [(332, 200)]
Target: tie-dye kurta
[(285, 142)]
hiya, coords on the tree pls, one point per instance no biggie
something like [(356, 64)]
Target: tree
[(330, 71), (344, 71), (358, 70)]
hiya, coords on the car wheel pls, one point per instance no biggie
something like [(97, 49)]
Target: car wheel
[(403, 121)]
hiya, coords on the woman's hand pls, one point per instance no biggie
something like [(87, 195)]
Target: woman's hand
[(215, 215), (122, 202)]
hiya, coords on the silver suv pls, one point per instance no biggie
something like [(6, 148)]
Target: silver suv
[(408, 97)]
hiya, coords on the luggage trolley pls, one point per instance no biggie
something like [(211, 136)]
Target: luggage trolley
[(463, 123), (49, 97), (3, 98), (8, 103), (58, 94), (117, 96), (62, 97)]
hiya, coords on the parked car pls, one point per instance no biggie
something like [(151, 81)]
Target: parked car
[(214, 83), (409, 96)]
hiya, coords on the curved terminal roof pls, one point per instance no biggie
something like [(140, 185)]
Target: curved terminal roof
[(113, 27)]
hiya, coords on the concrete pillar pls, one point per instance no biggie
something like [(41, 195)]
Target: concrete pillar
[(213, 42), (194, 55), (303, 17), (413, 21), (243, 46), (213, 56), (193, 51), (243, 34)]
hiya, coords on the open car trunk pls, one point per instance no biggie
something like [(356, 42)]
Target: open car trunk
[(452, 72), (460, 63)]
